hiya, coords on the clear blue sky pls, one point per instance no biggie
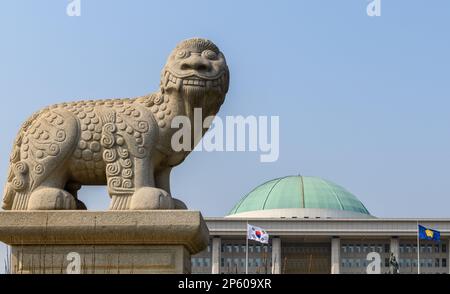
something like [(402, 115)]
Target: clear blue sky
[(363, 102)]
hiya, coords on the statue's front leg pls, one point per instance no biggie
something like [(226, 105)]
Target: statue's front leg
[(162, 180), (148, 195)]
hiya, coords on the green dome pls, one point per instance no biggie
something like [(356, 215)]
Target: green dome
[(298, 192)]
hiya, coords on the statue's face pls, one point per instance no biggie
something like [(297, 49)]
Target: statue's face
[(196, 68)]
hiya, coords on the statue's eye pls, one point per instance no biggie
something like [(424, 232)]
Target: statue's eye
[(209, 54), (182, 53)]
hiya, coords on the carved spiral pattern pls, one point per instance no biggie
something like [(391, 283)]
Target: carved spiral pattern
[(38, 168), (60, 135), (127, 173), (115, 182), (21, 167), (18, 184), (113, 169), (141, 150), (142, 126), (109, 155), (107, 139), (127, 184), (53, 149), (123, 153), (126, 163)]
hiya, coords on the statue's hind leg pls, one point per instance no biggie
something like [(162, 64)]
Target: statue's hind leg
[(50, 195)]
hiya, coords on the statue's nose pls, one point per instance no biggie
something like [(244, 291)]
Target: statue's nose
[(196, 63)]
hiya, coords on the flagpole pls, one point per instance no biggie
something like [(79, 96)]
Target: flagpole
[(246, 249), (418, 250)]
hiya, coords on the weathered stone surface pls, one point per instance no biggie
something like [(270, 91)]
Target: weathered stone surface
[(100, 259), (158, 241), (122, 143)]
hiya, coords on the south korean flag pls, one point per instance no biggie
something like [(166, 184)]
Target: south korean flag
[(257, 234)]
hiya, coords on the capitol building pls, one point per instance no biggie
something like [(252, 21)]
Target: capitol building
[(317, 227)]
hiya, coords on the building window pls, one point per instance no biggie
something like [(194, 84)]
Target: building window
[(408, 248), (422, 248), (257, 262), (242, 262), (236, 262), (407, 262), (436, 248), (222, 261), (386, 248), (236, 248), (436, 262), (250, 248), (344, 248), (258, 249), (364, 262), (350, 248), (209, 248), (229, 248), (243, 249), (365, 248), (444, 248), (429, 249), (444, 262), (402, 249)]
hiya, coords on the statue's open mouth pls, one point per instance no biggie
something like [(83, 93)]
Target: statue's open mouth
[(196, 81)]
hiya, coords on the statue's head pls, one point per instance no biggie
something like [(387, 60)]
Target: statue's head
[(197, 70)]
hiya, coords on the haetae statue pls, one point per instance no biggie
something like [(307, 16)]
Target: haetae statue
[(122, 143)]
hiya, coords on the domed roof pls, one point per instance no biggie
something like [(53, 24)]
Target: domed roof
[(299, 196)]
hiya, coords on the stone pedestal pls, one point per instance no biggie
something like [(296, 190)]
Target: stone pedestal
[(156, 241)]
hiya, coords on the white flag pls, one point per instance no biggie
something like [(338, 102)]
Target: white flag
[(257, 234)]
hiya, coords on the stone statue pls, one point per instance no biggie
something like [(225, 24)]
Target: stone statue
[(393, 264), (123, 143)]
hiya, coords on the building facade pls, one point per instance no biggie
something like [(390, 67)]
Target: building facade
[(318, 227)]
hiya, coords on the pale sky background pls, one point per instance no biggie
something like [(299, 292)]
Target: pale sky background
[(363, 101)]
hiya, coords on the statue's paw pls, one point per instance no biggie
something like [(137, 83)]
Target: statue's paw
[(178, 204), (51, 199), (147, 198)]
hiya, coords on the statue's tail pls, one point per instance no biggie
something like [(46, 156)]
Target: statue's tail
[(16, 192), (14, 195)]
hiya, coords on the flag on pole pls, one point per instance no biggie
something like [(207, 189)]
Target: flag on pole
[(257, 234), (429, 234)]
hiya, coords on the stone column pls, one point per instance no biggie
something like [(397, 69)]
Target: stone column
[(448, 255), (276, 255), (335, 255), (394, 248), (215, 255)]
